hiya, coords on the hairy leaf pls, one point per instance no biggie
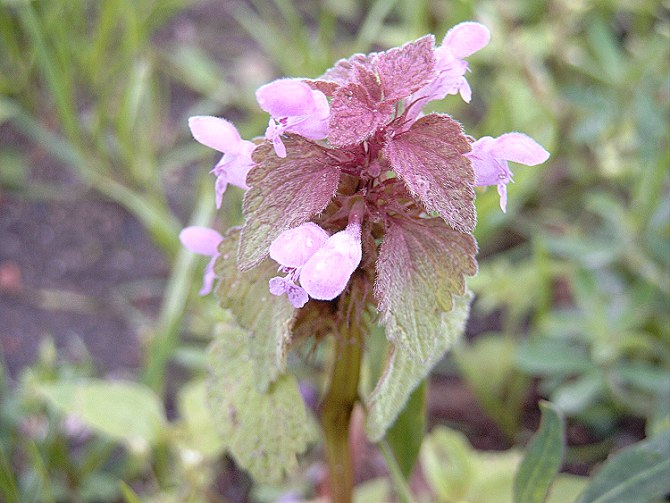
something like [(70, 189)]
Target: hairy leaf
[(344, 71), (355, 115), (403, 373), (639, 473), (421, 266), (403, 70), (267, 319), (264, 432), (429, 159), (543, 459), (284, 193)]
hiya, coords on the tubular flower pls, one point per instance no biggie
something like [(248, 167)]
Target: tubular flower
[(321, 264), (203, 241), (221, 135), (461, 41), (293, 108), (489, 158)]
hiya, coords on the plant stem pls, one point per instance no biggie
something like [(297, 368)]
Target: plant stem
[(338, 404)]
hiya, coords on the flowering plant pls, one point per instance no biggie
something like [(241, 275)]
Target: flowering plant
[(356, 203)]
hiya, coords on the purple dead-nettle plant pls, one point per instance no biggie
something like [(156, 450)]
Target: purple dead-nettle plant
[(357, 202)]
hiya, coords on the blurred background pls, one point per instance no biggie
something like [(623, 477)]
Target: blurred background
[(103, 336)]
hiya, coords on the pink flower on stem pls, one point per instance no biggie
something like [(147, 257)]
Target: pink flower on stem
[(236, 162), (294, 108), (461, 41), (489, 158), (321, 264), (203, 241)]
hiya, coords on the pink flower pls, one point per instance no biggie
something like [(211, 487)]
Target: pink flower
[(489, 158), (461, 41), (321, 264), (236, 162), (294, 108), (203, 241)]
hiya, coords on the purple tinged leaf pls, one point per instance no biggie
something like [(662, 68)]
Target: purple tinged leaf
[(344, 71), (429, 158), (355, 116), (284, 193), (421, 266), (403, 70)]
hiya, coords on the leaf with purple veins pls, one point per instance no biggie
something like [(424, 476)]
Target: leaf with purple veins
[(429, 159), (403, 70), (355, 116), (422, 265), (284, 193), (344, 71)]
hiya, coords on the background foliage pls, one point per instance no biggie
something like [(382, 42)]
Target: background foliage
[(571, 298)]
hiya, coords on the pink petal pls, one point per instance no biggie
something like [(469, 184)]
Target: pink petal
[(327, 272), (465, 91), (466, 38), (314, 127), (220, 187), (518, 147), (286, 98), (297, 296), (201, 240), (208, 278), (277, 285), (294, 247), (215, 133), (502, 192)]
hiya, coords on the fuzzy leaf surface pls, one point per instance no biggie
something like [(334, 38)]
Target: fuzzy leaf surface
[(267, 319), (345, 70), (429, 159), (265, 432), (403, 373), (403, 70), (355, 115), (284, 193), (421, 266)]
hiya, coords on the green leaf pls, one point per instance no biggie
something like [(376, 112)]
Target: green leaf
[(266, 318), (543, 458), (126, 411), (406, 433), (264, 432), (199, 427), (403, 374), (284, 193), (422, 265), (639, 473)]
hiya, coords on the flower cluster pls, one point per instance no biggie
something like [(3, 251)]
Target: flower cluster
[(352, 167)]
